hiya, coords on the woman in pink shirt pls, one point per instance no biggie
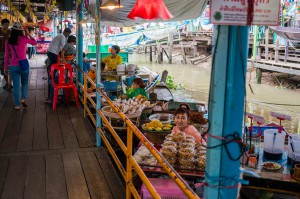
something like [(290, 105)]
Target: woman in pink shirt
[(182, 116), (19, 41)]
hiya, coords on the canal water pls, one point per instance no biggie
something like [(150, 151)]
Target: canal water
[(265, 98)]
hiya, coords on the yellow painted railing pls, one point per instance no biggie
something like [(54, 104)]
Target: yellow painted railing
[(131, 164)]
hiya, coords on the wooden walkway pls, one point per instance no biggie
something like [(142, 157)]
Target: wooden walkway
[(282, 67), (51, 154)]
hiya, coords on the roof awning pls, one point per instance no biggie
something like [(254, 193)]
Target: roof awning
[(289, 33), (180, 9)]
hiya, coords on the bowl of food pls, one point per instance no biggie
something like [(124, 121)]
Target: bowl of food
[(162, 117)]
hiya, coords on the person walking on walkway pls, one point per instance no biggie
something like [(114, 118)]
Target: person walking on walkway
[(4, 35), (30, 48), (54, 49), (16, 47)]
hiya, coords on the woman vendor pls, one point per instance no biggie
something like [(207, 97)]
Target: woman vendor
[(182, 116), (112, 61), (137, 88)]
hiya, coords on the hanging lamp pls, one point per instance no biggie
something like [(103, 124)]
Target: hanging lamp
[(150, 9), (111, 4)]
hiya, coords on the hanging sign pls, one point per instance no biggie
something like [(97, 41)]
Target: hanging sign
[(256, 118), (281, 116), (245, 12)]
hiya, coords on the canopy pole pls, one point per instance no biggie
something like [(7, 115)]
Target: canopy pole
[(98, 58), (226, 108), (54, 27), (79, 43)]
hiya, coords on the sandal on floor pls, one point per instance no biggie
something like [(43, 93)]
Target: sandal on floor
[(24, 104), (17, 108)]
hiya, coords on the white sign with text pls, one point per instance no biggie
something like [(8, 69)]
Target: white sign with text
[(238, 12)]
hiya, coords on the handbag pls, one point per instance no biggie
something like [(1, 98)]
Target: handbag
[(24, 65)]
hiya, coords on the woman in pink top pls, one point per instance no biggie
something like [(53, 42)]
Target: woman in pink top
[(19, 41), (182, 116)]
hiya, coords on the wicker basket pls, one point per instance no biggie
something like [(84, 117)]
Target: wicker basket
[(106, 111), (156, 137)]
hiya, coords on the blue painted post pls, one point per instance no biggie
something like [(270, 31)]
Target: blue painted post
[(226, 108), (61, 22), (79, 43), (55, 27), (98, 58)]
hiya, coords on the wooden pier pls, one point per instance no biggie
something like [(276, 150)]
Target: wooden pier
[(51, 154), (274, 57), (187, 42)]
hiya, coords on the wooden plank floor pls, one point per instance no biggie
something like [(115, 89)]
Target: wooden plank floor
[(51, 154)]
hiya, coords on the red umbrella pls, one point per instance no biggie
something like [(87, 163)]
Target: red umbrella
[(150, 9)]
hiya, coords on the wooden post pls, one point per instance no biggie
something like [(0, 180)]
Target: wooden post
[(170, 53), (267, 44), (277, 50), (145, 49), (258, 53), (150, 53), (159, 53), (170, 47), (183, 53), (286, 51), (258, 75)]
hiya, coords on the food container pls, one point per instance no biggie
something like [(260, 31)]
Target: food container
[(200, 154), (191, 141), (273, 144), (179, 137), (131, 69), (187, 163), (121, 69), (201, 162), (295, 140), (186, 153), (163, 117), (190, 137), (171, 160), (169, 143), (187, 145), (168, 151)]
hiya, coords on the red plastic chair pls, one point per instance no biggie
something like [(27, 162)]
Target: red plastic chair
[(60, 69)]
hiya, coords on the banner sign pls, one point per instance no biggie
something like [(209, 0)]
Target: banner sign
[(281, 116), (245, 12), (256, 118)]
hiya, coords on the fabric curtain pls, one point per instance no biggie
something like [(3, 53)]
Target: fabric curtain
[(180, 9)]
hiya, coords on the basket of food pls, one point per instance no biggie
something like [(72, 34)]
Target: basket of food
[(109, 112), (156, 131)]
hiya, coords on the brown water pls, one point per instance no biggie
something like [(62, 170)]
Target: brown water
[(197, 79)]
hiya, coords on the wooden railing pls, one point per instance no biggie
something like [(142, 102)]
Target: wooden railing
[(131, 164)]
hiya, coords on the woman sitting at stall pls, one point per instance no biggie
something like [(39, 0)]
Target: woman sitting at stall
[(112, 61), (181, 119), (137, 88)]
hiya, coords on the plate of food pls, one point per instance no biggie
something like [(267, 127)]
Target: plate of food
[(272, 166)]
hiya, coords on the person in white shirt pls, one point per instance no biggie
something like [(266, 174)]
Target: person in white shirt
[(54, 49)]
